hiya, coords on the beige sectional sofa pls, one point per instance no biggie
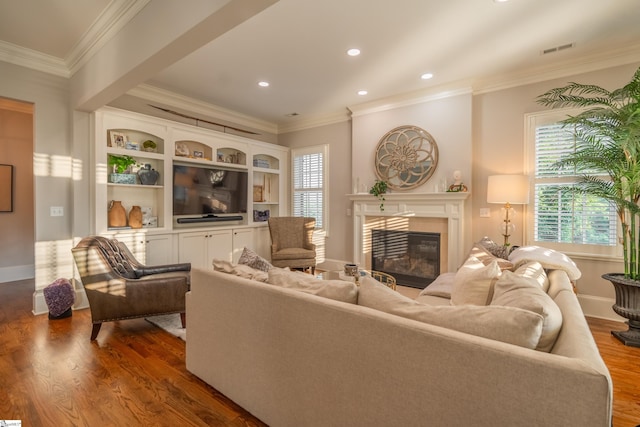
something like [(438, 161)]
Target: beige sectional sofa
[(293, 358)]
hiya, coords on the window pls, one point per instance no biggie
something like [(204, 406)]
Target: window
[(309, 166), (561, 218)]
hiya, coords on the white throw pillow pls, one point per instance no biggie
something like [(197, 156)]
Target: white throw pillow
[(240, 270), (473, 282), (441, 287), (338, 290), (513, 290), (534, 270), (507, 324)]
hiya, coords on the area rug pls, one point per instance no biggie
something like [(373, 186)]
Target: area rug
[(170, 323)]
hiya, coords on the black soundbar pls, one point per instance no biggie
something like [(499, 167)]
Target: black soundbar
[(209, 218)]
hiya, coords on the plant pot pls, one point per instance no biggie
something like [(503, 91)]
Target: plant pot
[(122, 178), (628, 306)]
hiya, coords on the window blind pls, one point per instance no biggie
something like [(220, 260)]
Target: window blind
[(308, 185), (560, 214)]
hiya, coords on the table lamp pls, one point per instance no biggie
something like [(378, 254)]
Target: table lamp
[(508, 190)]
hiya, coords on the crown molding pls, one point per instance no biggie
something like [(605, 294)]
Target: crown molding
[(152, 93), (315, 121), (584, 64), (407, 99), (35, 60), (116, 15)]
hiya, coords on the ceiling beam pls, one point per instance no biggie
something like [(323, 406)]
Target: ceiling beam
[(159, 35)]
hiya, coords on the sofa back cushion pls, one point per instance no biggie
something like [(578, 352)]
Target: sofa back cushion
[(338, 290), (514, 290), (473, 282), (507, 324)]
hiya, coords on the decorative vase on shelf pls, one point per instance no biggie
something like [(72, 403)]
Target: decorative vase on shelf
[(147, 175), (135, 217), (117, 216)]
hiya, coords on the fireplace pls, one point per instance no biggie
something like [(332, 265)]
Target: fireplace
[(412, 257)]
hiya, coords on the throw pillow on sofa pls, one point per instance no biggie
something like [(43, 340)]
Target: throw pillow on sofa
[(338, 290), (254, 260), (241, 270), (507, 324), (534, 270), (473, 282), (484, 255), (513, 290)]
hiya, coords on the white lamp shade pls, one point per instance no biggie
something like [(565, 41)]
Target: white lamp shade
[(513, 189)]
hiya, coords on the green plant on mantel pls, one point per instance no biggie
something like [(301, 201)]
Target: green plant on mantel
[(378, 190), (121, 163)]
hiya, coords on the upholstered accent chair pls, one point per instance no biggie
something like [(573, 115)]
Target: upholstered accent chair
[(291, 245), (118, 287)]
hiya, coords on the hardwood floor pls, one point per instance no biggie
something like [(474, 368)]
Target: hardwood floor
[(134, 374)]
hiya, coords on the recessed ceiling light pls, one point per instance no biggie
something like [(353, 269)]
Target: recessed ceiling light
[(353, 52), (426, 76), (263, 84), (500, 1), (362, 92)]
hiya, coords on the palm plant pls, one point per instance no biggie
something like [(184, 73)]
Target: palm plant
[(607, 136), (607, 139)]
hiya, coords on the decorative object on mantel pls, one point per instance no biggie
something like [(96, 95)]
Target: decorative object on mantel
[(147, 175), (607, 138), (135, 217), (120, 165), (117, 216), (406, 157), (457, 185), (378, 190)]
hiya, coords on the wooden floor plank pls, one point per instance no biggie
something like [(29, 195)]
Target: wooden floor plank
[(135, 374)]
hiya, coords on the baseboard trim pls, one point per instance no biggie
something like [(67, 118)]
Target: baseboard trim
[(18, 272), (599, 307)]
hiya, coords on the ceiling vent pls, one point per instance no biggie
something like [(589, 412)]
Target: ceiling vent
[(558, 48)]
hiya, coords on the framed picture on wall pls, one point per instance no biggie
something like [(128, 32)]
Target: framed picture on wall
[(6, 188)]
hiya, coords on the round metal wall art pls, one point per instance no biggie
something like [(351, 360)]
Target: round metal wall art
[(406, 157)]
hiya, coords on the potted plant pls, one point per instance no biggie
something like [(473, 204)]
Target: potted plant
[(378, 190), (608, 139), (120, 165)]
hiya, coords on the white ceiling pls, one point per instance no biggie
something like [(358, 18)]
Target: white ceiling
[(299, 46)]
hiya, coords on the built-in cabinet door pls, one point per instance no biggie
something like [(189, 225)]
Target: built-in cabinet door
[(159, 249), (192, 247), (219, 246), (241, 238)]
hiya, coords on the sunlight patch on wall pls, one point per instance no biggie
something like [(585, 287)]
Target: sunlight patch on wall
[(53, 166), (53, 261), (101, 173), (76, 169)]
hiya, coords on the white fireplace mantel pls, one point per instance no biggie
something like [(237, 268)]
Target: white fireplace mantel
[(450, 206)]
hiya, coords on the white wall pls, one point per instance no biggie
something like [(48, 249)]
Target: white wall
[(498, 148), (448, 120), (339, 241)]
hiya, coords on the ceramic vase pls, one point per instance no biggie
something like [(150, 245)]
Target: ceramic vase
[(117, 216), (135, 217), (147, 175)]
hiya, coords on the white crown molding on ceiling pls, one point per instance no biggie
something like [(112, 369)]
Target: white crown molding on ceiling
[(152, 93), (32, 59), (117, 14), (110, 21)]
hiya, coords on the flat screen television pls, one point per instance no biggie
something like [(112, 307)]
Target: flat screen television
[(200, 191)]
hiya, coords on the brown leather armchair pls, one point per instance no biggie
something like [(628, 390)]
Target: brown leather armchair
[(118, 287), (291, 239)]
